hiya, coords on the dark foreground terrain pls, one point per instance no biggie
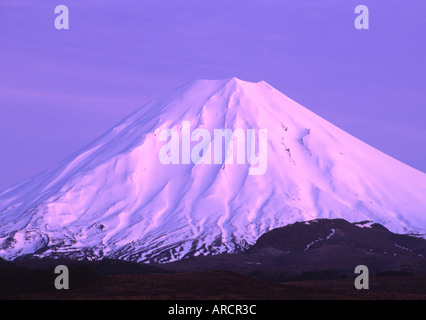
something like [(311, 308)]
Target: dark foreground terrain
[(220, 285), (306, 260)]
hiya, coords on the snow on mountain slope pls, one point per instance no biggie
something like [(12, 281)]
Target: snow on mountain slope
[(115, 198)]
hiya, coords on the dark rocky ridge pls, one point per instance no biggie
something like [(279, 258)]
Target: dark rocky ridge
[(333, 247)]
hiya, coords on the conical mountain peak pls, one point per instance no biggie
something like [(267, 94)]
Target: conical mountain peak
[(157, 188)]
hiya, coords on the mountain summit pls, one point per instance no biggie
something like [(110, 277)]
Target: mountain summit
[(119, 198)]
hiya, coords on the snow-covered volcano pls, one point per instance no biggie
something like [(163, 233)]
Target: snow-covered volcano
[(115, 198)]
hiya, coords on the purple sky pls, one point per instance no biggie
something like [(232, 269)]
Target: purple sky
[(61, 89)]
